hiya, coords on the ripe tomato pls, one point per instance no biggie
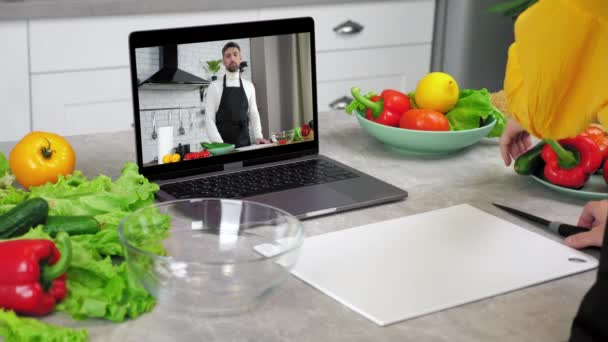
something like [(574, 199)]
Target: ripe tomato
[(424, 120), (40, 157)]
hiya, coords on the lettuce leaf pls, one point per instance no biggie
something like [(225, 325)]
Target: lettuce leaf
[(17, 329), (6, 176), (472, 107), (76, 195), (10, 197)]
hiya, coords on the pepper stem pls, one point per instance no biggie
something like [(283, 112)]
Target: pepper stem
[(64, 245), (47, 152), (376, 107), (566, 159)]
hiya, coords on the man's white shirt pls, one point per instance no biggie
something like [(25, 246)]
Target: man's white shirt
[(214, 95)]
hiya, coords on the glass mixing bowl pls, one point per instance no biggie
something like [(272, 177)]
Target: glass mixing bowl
[(222, 256)]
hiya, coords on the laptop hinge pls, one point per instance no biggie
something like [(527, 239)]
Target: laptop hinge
[(233, 166), (281, 157), (186, 173)]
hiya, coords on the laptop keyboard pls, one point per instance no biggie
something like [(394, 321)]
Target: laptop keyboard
[(260, 181)]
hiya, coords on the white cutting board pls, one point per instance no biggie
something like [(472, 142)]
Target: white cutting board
[(400, 269)]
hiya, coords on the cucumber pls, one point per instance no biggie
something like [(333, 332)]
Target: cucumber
[(530, 161), (73, 225), (24, 216)]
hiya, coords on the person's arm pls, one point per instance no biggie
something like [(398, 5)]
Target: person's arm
[(211, 108), (591, 321), (254, 119)]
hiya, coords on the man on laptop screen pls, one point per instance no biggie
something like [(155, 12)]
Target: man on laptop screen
[(268, 102), (231, 108)]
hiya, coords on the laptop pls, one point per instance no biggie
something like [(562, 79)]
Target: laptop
[(183, 106)]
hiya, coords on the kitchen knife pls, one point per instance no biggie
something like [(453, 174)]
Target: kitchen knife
[(560, 228)]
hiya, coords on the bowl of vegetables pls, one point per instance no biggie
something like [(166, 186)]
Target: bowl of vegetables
[(409, 141), (436, 119), (217, 257), (218, 148)]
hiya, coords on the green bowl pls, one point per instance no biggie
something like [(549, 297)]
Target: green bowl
[(218, 151), (594, 189), (409, 141)]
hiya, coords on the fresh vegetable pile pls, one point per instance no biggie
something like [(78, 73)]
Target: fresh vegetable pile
[(436, 105), (567, 162), (69, 229)]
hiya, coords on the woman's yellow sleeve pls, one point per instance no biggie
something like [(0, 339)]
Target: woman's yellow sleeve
[(557, 71)]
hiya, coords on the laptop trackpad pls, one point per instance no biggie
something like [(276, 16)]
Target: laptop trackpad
[(304, 200)]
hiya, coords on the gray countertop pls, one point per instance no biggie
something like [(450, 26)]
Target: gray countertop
[(298, 312), (33, 9)]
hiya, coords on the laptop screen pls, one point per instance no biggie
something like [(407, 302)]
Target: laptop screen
[(214, 101)]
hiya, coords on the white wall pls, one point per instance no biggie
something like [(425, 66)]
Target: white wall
[(14, 81), (147, 60)]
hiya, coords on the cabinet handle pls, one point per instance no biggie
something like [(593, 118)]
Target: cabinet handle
[(348, 28), (341, 103)]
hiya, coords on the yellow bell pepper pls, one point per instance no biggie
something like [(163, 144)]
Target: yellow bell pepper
[(557, 71)]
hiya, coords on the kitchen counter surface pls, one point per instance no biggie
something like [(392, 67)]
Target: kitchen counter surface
[(33, 9), (298, 312)]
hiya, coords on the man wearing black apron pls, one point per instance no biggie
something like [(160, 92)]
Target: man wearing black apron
[(231, 109), (232, 119)]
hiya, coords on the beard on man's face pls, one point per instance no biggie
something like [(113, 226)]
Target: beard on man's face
[(232, 67)]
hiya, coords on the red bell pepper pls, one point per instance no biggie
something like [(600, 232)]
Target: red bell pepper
[(197, 155), (386, 108), (571, 167), (33, 274), (305, 130)]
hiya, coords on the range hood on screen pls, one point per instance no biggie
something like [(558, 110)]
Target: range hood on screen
[(170, 77)]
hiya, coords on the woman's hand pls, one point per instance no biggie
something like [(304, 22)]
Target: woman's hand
[(514, 141), (593, 217), (261, 141)]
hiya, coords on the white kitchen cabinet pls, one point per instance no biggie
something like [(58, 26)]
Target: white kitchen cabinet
[(400, 66), (408, 60), (83, 102), (382, 23), (14, 81), (374, 45), (335, 95), (102, 42)]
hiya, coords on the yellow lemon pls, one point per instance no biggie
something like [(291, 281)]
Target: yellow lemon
[(175, 158), (167, 158), (437, 91)]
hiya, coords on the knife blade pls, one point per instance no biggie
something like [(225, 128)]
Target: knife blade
[(563, 229)]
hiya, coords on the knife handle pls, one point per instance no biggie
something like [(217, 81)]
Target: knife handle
[(565, 229)]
